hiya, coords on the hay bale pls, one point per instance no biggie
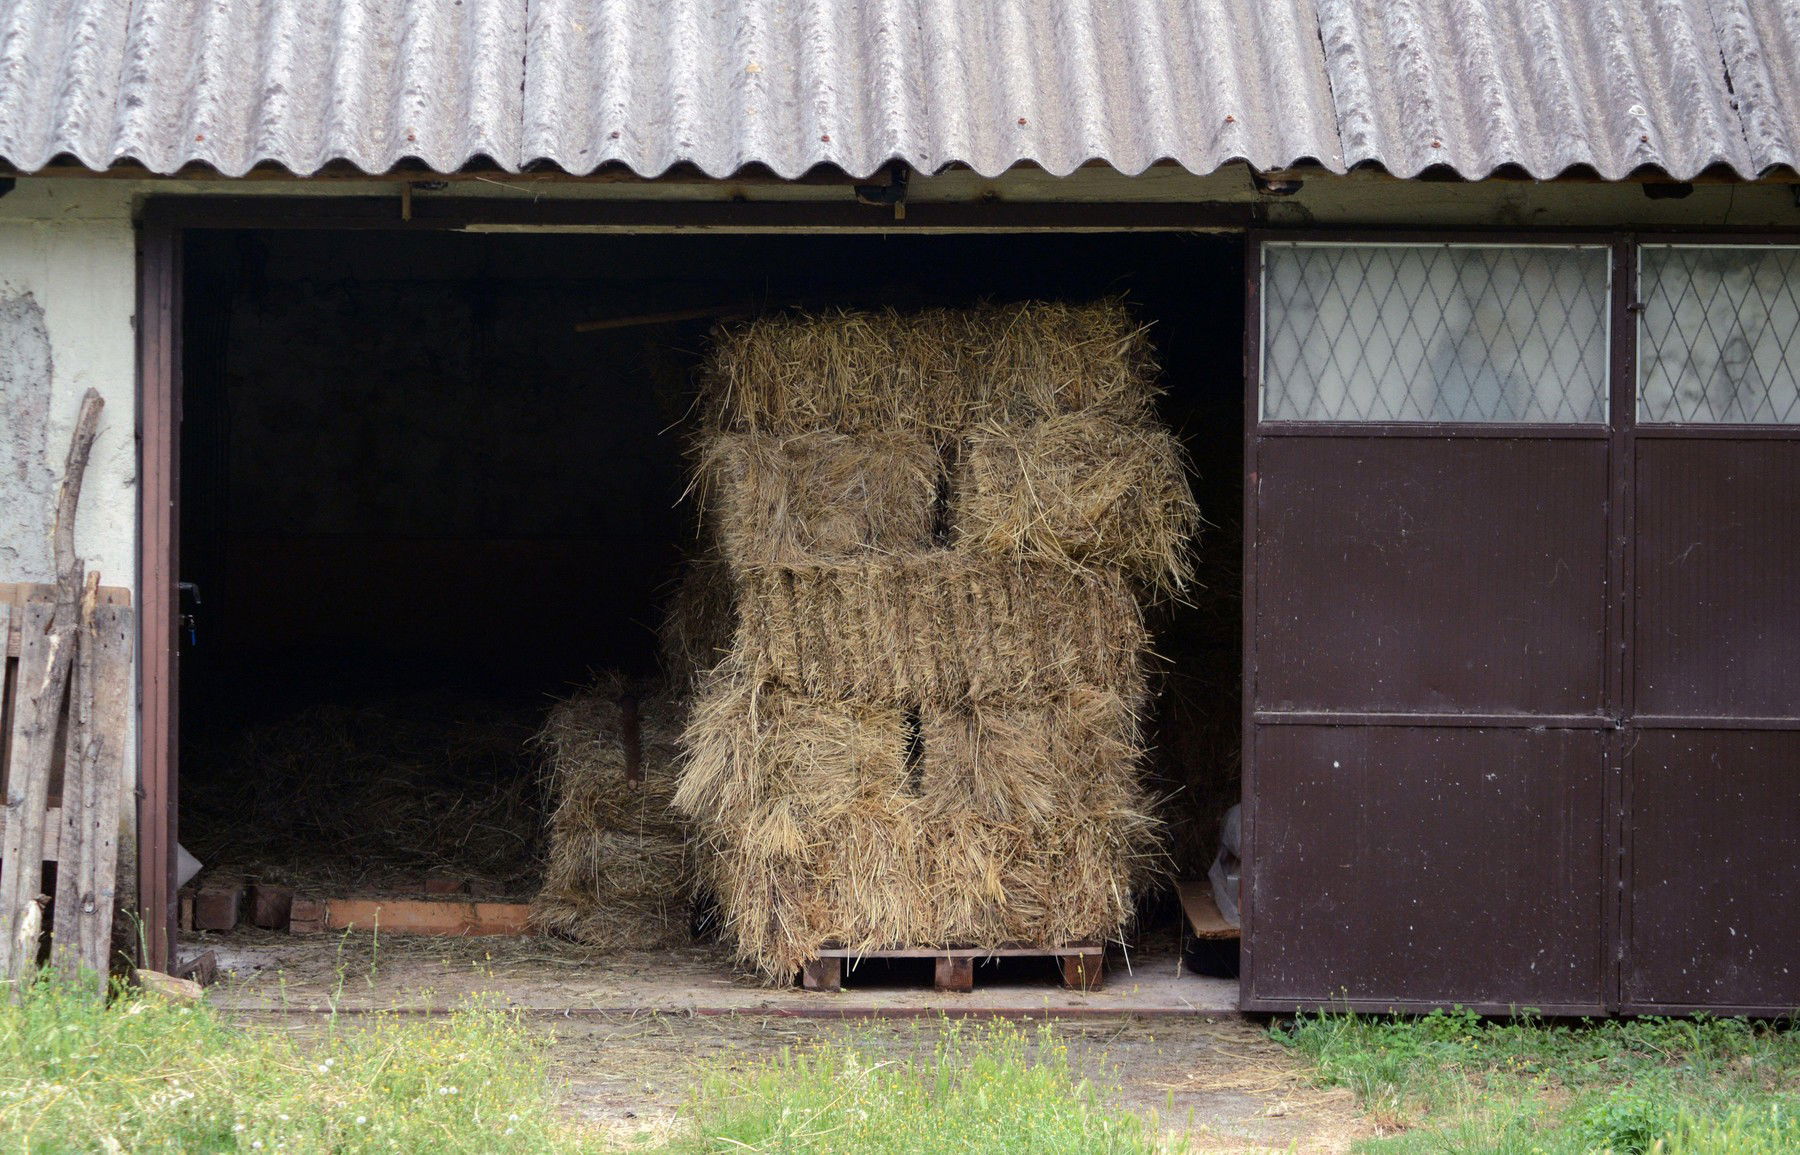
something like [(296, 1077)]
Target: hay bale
[(845, 370), (933, 371), (618, 873), (698, 623), (1079, 490), (1036, 359), (1017, 824), (942, 628), (819, 496)]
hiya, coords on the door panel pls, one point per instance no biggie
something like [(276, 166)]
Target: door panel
[(1712, 915), (1442, 865), (1718, 578), (1431, 575)]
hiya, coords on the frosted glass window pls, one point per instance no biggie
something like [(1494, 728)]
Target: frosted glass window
[(1719, 335), (1435, 333)]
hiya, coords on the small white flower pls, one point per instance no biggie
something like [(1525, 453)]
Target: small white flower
[(283, 1118), (324, 1069), (237, 1127), (256, 1143), (361, 1119)]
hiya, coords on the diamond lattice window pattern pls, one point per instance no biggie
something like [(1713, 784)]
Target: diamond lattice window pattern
[(1719, 335), (1454, 333)]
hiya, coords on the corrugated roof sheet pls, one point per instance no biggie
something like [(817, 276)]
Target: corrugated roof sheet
[(1615, 85)]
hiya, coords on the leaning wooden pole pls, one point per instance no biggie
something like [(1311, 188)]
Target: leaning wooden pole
[(47, 656)]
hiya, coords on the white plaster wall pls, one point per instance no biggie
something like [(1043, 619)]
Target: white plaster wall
[(82, 272), (75, 258)]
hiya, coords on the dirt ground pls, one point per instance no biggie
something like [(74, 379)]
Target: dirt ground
[(629, 1035), (1217, 1080)]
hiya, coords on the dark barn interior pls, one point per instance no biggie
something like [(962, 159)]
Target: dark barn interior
[(431, 482)]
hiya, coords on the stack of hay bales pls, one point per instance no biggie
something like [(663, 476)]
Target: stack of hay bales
[(618, 873), (939, 527)]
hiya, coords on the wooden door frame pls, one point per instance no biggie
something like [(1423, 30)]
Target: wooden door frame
[(159, 567)]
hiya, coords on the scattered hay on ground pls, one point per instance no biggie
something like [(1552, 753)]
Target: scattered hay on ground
[(870, 827), (338, 798), (819, 496), (1079, 490), (934, 371), (941, 628), (617, 873)]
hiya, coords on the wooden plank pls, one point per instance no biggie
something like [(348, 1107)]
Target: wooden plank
[(422, 916), (722, 312), (43, 669), (1204, 919), (94, 827), (973, 952), (92, 769)]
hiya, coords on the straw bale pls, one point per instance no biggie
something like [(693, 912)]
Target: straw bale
[(698, 622), (844, 370), (1039, 358), (1079, 490), (935, 370), (1016, 824), (618, 873), (819, 496), (941, 627)]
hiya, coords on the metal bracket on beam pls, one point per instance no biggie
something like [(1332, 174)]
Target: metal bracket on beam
[(892, 193)]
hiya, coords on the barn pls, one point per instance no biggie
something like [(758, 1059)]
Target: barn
[(1479, 324)]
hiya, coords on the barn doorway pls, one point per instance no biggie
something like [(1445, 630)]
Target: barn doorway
[(431, 484)]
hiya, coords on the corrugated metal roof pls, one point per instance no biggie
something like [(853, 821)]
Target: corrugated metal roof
[(1616, 85)]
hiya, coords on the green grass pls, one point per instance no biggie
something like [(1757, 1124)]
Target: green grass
[(989, 1088), (142, 1074), (1453, 1082)]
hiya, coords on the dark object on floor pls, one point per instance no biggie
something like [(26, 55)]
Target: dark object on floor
[(202, 968), (1214, 957)]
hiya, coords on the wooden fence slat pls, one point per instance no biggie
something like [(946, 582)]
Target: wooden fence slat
[(44, 663), (86, 897)]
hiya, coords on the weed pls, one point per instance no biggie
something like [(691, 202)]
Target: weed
[(138, 1073), (1452, 1081), (991, 1088)]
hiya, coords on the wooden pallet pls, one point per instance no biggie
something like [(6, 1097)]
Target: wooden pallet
[(1083, 966)]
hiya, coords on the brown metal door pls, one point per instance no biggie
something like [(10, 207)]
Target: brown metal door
[(1431, 667), (1712, 769)]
